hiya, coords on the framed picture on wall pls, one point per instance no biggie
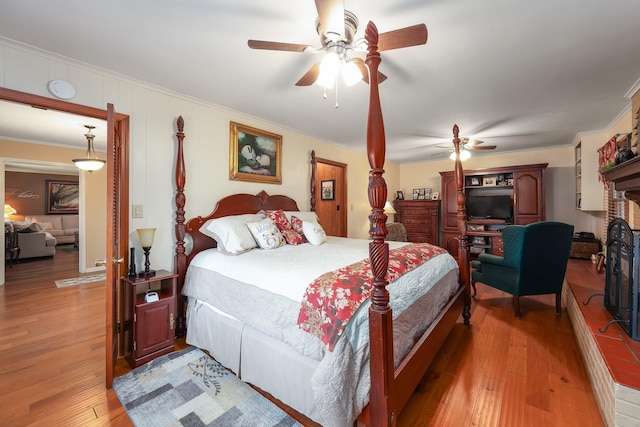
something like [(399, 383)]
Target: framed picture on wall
[(327, 189), (254, 155), (62, 197)]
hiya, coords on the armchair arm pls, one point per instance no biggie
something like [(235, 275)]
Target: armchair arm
[(492, 259)]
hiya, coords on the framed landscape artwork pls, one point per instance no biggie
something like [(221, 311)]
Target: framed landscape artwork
[(62, 197), (254, 155)]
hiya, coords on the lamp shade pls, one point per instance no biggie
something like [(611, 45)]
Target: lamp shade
[(145, 236), (8, 210), (90, 162), (388, 208)]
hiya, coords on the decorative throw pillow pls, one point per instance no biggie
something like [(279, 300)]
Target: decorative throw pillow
[(231, 233), (305, 216), (46, 226), (279, 218), (293, 237), (296, 224), (266, 233), (314, 233)]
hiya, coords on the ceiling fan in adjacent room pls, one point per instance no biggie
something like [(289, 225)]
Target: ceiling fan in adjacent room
[(466, 146), (337, 28)]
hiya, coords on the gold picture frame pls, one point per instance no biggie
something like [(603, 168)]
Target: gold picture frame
[(255, 155)]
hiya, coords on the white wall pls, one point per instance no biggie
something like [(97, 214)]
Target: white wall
[(153, 112)]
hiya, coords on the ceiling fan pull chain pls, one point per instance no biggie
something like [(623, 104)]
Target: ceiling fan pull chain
[(324, 96), (337, 93)]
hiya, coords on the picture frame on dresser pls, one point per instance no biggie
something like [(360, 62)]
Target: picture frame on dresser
[(400, 195)]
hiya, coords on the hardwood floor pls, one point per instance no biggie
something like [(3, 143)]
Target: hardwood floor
[(501, 371)]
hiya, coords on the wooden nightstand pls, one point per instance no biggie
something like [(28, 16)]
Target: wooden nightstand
[(149, 326)]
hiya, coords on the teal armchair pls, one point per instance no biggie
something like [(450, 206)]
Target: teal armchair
[(534, 263)]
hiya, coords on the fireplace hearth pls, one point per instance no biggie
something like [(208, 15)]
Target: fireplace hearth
[(622, 276)]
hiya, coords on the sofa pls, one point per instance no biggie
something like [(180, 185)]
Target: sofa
[(62, 227), (33, 242)]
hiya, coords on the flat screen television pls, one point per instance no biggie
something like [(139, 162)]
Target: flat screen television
[(490, 207)]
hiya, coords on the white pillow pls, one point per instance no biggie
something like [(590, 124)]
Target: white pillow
[(314, 233), (46, 226), (266, 234), (305, 216), (231, 232)]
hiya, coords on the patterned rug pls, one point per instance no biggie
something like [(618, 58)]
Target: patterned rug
[(189, 388), (65, 283)]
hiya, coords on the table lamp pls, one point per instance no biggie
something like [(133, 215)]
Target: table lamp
[(388, 209), (8, 211), (145, 236)]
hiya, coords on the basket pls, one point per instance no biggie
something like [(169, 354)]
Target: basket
[(584, 248)]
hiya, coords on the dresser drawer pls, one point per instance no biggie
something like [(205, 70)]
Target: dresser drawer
[(417, 228), (417, 211), (419, 238), (409, 221)]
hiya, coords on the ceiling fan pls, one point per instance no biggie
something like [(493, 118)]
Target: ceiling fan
[(466, 146), (337, 28)]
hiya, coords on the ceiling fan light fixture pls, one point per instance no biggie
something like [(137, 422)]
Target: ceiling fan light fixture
[(329, 68), (464, 155), (90, 162), (351, 73)]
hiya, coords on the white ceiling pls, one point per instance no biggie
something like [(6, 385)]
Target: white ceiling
[(515, 74)]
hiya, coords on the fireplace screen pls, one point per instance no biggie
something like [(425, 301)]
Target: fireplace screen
[(621, 279)]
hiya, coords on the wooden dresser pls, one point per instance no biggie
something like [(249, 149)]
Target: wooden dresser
[(420, 219)]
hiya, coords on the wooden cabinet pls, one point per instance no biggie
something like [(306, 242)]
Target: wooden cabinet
[(150, 326), (420, 219), (523, 185)]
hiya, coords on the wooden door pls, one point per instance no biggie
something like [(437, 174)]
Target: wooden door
[(332, 212), (117, 229)]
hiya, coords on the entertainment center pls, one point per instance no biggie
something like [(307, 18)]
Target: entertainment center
[(496, 197)]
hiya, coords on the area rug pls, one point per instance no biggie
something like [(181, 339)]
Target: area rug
[(189, 388), (65, 283)]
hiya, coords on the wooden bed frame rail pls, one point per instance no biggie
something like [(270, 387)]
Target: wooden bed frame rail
[(390, 388)]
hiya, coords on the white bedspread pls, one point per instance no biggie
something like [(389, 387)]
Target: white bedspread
[(264, 289)]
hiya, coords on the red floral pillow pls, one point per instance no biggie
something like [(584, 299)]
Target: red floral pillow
[(293, 237), (279, 218), (296, 224)]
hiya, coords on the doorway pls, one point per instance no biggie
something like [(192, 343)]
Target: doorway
[(331, 196), (117, 210)]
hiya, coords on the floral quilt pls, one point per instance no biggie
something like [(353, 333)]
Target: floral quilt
[(333, 298)]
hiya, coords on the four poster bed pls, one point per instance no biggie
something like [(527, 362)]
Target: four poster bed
[(258, 314)]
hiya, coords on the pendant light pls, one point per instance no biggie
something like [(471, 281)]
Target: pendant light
[(90, 162)]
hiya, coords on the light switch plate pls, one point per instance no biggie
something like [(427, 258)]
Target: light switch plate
[(137, 211)]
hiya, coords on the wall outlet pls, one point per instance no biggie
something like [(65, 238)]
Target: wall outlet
[(137, 211)]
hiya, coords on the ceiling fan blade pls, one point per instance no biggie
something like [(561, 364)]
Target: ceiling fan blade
[(331, 16), (310, 76), (474, 142), (483, 147), (403, 37), (289, 47), (365, 71)]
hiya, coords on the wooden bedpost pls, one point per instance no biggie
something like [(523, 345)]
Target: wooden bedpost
[(180, 258), (313, 180), (463, 251), (380, 316)]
